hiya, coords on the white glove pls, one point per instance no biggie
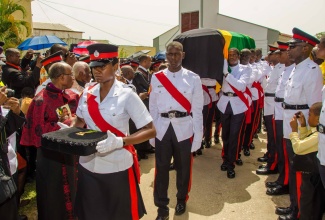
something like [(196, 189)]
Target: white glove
[(111, 143), (225, 67), (63, 126)]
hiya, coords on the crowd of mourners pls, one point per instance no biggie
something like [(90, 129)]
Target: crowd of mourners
[(148, 106)]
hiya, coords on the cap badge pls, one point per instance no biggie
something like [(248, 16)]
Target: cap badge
[(96, 53)]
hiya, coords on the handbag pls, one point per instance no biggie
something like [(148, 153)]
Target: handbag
[(7, 186), (305, 163)]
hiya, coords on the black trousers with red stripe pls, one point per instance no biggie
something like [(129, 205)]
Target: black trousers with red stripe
[(292, 178), (283, 165), (249, 130), (208, 114), (231, 129), (271, 147), (167, 148)]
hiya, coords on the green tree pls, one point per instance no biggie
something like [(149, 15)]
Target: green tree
[(11, 29), (320, 35)]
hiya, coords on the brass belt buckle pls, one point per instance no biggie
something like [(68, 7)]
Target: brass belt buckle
[(171, 115), (230, 94)]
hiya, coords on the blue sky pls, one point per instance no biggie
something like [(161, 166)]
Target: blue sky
[(130, 22)]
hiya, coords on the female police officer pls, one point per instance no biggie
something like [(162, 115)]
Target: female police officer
[(107, 180)]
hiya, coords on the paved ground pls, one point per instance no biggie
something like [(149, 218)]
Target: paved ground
[(213, 195)]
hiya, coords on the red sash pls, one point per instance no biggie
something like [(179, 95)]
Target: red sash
[(260, 91), (245, 101), (205, 88), (105, 126), (173, 91), (14, 66)]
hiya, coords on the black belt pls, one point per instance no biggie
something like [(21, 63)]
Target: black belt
[(211, 87), (320, 128), (277, 99), (294, 107), (174, 114), (269, 94), (230, 94)]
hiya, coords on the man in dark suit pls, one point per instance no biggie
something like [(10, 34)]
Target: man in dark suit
[(141, 82), (14, 77)]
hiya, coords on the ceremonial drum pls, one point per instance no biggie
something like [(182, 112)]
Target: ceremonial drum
[(76, 141)]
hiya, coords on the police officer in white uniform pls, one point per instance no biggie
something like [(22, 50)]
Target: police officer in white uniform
[(302, 90), (107, 180), (269, 93), (177, 118), (280, 186), (233, 109)]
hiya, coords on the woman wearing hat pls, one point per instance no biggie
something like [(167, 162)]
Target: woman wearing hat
[(108, 180)]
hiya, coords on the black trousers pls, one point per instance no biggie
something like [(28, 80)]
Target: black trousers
[(217, 118), (231, 128), (283, 162), (249, 130), (167, 148), (312, 197), (322, 172), (292, 178), (271, 147), (208, 115)]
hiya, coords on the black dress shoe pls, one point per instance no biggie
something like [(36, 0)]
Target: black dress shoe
[(216, 140), (239, 162), (277, 190), (151, 150), (271, 184), (262, 166), (231, 174), (289, 216), (223, 166), (172, 166), (180, 208), (247, 152), (142, 155), (262, 159), (255, 136), (199, 152), (265, 171), (208, 144), (159, 217), (252, 146), (283, 210)]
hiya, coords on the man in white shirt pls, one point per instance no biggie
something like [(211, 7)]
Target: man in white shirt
[(176, 103), (269, 93), (280, 186), (233, 104), (302, 90)]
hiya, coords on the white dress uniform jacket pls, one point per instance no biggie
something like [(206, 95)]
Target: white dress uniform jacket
[(160, 101), (118, 106), (272, 83), (279, 92), (238, 78), (304, 86), (212, 91)]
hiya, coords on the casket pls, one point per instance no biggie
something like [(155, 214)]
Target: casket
[(76, 141)]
